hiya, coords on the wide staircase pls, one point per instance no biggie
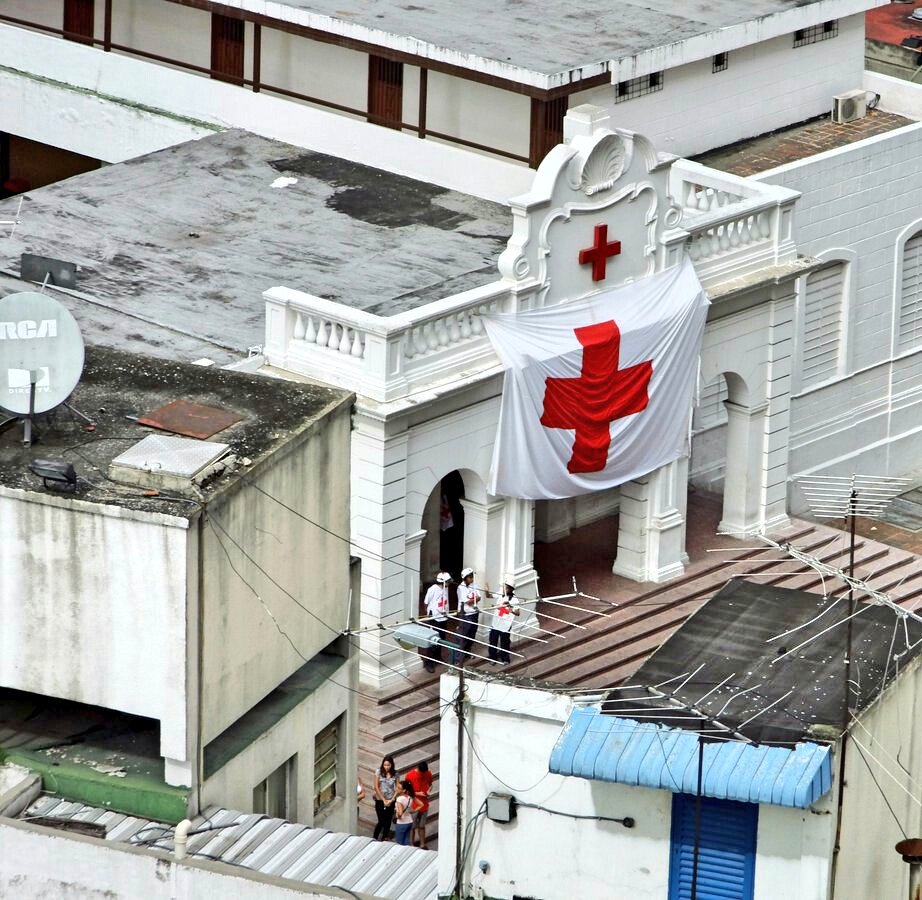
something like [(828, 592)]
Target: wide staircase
[(602, 643)]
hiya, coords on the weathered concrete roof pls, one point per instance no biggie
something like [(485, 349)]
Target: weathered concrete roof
[(190, 237), (545, 42), (117, 388)]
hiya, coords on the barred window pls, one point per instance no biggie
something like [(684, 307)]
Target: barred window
[(637, 87), (816, 33), (822, 335), (909, 336), (720, 62), (326, 757)]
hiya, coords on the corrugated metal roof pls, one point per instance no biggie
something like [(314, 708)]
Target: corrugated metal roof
[(609, 748), (274, 847)]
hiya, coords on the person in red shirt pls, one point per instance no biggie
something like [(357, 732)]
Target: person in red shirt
[(421, 779)]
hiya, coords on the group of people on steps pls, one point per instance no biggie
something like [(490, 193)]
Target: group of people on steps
[(403, 802), (499, 611)]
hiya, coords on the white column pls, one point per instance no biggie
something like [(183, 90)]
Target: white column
[(743, 508), (483, 539), (379, 529), (651, 526), (411, 558)]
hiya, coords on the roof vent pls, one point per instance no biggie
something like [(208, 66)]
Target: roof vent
[(174, 463)]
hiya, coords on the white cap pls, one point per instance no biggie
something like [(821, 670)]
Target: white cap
[(443, 577), (509, 579), (466, 572)]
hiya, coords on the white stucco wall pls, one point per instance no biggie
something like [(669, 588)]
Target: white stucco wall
[(115, 107), (554, 857), (886, 747), (767, 85), (856, 203), (293, 735), (166, 29), (244, 655), (44, 864), (93, 607)]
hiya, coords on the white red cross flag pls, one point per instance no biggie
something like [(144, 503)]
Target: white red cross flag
[(598, 391)]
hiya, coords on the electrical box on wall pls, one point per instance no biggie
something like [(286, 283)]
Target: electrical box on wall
[(500, 807)]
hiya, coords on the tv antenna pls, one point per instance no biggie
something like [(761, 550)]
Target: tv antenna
[(41, 357), (15, 221)]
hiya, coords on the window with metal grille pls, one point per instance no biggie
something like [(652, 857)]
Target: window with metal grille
[(326, 754), (726, 842), (816, 33), (227, 35), (910, 326), (720, 62), (637, 87), (275, 796), (385, 92), (710, 411), (546, 127), (822, 328)]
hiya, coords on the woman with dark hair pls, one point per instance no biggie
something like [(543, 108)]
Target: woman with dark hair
[(403, 811), (385, 791)]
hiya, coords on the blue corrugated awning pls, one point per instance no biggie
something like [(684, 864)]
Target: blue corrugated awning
[(624, 751)]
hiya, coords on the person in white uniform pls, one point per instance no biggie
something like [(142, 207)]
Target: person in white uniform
[(468, 613), (505, 613), (437, 609)]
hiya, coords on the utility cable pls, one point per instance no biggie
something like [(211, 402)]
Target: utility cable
[(880, 789)]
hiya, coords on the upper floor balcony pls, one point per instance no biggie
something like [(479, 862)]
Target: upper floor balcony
[(733, 229)]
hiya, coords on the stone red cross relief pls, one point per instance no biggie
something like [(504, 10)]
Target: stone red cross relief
[(601, 395), (600, 252)]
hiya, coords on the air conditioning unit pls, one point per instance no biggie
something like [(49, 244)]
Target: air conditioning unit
[(849, 106)]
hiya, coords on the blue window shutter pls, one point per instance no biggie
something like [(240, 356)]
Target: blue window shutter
[(727, 849)]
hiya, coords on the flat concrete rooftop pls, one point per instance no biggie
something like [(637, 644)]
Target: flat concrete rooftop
[(117, 388), (560, 40), (798, 142), (191, 236)]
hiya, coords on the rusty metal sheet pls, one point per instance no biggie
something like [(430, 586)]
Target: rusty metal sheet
[(191, 419)]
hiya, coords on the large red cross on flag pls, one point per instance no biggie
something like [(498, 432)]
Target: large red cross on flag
[(597, 391)]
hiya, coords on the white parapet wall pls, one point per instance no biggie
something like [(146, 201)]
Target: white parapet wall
[(114, 107), (896, 94), (40, 863)]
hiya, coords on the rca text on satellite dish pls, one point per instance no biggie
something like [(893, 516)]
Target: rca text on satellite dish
[(28, 329)]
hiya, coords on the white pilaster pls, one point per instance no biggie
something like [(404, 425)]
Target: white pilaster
[(379, 529), (651, 527)]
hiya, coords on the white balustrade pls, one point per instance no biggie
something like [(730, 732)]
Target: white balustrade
[(326, 333), (729, 235)]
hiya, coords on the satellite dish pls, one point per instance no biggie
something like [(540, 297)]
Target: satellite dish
[(40, 345)]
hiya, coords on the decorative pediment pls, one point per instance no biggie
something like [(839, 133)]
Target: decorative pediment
[(595, 215)]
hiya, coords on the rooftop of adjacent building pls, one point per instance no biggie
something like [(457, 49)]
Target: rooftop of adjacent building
[(892, 23), (586, 39), (263, 844), (787, 145), (117, 388), (752, 661), (215, 222)]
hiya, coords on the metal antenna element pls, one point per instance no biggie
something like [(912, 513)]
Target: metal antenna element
[(14, 222)]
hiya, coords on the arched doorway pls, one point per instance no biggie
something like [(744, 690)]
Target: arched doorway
[(442, 548)]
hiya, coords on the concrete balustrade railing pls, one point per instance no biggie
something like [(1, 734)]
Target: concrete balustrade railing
[(735, 229), (382, 357)]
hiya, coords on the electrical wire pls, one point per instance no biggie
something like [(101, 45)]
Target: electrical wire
[(626, 821), (880, 790), (209, 520), (480, 759)]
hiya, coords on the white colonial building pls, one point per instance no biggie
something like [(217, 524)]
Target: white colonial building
[(811, 265)]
